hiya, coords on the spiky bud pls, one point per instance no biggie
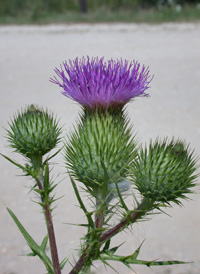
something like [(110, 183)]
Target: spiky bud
[(100, 149), (165, 171), (33, 132)]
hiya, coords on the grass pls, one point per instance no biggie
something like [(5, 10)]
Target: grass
[(103, 15)]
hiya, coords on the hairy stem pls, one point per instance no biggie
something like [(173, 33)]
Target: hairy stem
[(51, 234)]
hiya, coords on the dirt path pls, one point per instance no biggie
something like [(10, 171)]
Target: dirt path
[(28, 55)]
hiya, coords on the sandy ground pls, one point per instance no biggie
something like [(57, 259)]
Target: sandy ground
[(28, 55)]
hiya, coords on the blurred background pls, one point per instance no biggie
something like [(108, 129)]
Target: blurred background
[(49, 11)]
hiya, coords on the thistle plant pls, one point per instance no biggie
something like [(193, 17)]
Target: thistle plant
[(101, 152)]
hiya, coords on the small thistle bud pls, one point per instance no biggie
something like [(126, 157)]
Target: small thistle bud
[(165, 172), (100, 150), (33, 132)]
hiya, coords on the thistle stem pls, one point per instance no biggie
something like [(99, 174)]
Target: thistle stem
[(133, 217), (81, 262), (119, 227), (52, 240), (51, 233), (99, 218)]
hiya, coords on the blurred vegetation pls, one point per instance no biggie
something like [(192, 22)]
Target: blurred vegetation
[(60, 11)]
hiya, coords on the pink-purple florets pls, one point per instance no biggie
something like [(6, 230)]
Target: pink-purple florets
[(96, 83)]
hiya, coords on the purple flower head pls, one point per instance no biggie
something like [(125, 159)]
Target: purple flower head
[(95, 83)]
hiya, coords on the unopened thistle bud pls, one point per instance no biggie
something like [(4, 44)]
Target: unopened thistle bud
[(100, 150), (33, 132), (165, 171)]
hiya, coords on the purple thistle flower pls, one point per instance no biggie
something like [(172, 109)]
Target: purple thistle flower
[(96, 83)]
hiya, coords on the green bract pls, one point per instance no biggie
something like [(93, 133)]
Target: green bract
[(100, 149), (33, 132), (165, 171)]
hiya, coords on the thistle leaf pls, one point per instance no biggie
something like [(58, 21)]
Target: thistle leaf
[(63, 263), (107, 245), (44, 243), (114, 249), (32, 254), (46, 184), (24, 169), (37, 250), (106, 263), (132, 259), (87, 214), (120, 198), (52, 156)]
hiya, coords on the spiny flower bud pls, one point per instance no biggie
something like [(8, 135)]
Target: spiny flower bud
[(33, 132), (165, 172), (100, 150)]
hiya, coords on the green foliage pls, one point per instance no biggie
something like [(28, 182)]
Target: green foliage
[(46, 189), (40, 8), (100, 150), (165, 172), (186, 13), (36, 249), (108, 255), (37, 7), (82, 206), (33, 132)]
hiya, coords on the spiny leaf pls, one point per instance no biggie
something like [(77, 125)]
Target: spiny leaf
[(39, 191), (24, 169), (132, 259), (44, 243), (106, 263), (114, 249), (50, 157), (32, 244), (28, 238), (136, 253), (87, 214), (46, 180), (64, 261), (32, 254), (120, 198), (107, 245), (155, 263)]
